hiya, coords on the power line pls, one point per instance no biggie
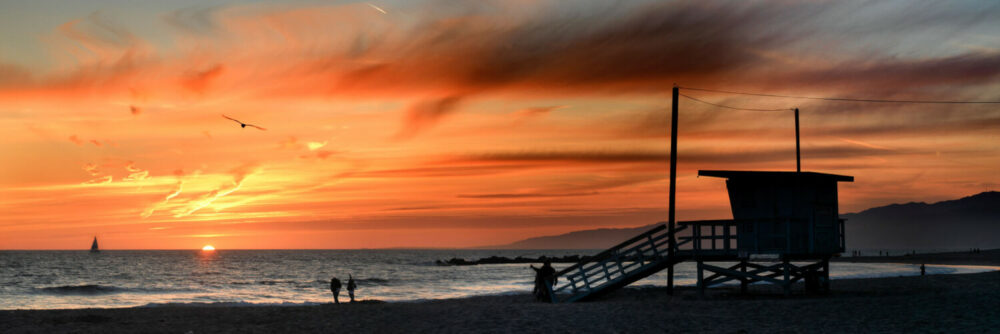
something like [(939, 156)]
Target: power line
[(842, 99), (734, 108)]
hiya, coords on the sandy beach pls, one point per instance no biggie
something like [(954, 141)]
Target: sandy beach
[(968, 303)]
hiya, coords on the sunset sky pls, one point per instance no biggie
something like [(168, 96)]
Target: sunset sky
[(466, 123)]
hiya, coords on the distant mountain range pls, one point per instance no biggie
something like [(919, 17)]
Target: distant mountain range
[(972, 221), (586, 239)]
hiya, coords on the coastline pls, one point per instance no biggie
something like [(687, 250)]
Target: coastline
[(933, 303), (961, 303)]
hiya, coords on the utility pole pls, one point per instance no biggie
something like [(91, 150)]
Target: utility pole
[(673, 154), (798, 155), (673, 187)]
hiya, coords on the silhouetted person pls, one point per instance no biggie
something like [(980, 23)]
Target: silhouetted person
[(335, 288), (351, 286), (545, 277), (923, 269)]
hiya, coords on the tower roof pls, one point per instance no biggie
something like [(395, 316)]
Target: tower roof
[(771, 175)]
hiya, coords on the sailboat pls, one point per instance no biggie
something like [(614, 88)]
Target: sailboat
[(93, 247)]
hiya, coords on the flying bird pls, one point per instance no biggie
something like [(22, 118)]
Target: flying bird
[(243, 125)]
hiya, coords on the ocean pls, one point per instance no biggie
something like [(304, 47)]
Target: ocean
[(79, 279)]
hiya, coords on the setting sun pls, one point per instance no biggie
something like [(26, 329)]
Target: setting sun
[(207, 248)]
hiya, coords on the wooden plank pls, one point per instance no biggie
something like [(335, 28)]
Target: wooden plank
[(725, 235), (740, 274), (713, 236)]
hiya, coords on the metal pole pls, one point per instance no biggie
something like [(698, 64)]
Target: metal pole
[(672, 243), (673, 156), (798, 156), (673, 186), (670, 280)]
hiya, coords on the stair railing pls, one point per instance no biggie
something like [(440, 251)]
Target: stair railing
[(613, 264)]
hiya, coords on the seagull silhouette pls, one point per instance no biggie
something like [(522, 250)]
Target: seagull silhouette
[(243, 125)]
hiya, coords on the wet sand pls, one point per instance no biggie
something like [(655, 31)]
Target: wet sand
[(968, 303)]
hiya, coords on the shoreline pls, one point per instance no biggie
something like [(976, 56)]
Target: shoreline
[(932, 303), (989, 257), (224, 304), (962, 302), (988, 260)]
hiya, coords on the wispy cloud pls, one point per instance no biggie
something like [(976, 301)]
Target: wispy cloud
[(95, 173), (315, 145), (135, 174), (238, 174), (100, 180), (380, 10), (177, 189)]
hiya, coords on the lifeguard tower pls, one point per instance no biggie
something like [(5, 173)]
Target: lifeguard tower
[(778, 217)]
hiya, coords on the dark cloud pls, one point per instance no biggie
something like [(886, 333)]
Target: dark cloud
[(639, 47), (445, 170), (468, 49), (424, 114), (897, 78), (193, 20), (689, 156), (98, 30), (622, 217), (918, 128), (574, 156), (536, 111), (526, 195)]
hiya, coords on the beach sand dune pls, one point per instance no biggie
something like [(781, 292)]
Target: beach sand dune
[(936, 303)]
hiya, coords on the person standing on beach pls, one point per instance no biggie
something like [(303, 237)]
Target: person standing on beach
[(545, 277), (351, 286), (335, 288)]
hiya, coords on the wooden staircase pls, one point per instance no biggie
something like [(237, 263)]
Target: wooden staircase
[(702, 241), (621, 265)]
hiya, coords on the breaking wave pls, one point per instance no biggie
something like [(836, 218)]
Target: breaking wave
[(97, 289)]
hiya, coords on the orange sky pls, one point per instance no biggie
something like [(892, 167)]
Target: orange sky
[(453, 124)]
